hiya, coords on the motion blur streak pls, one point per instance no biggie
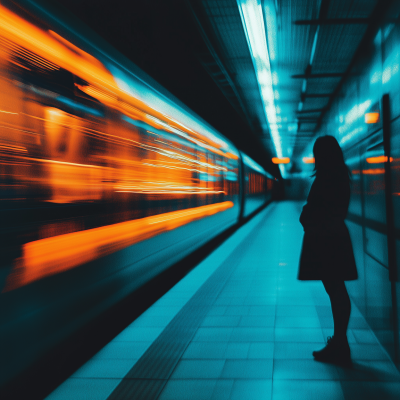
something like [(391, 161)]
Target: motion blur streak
[(102, 85), (56, 254), (106, 181)]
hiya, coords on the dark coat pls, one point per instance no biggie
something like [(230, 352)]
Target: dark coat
[(327, 252)]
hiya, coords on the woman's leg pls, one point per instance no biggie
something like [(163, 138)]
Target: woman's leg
[(337, 349), (341, 307)]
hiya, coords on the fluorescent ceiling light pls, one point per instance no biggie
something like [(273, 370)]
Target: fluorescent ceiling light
[(253, 23), (270, 17)]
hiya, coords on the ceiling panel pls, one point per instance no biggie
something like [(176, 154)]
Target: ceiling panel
[(304, 126), (351, 9), (322, 85), (230, 41), (301, 116), (336, 47), (295, 42), (315, 103)]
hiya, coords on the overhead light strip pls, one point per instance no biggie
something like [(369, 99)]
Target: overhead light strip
[(253, 24)]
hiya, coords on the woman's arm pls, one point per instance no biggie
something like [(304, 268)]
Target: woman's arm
[(315, 209)]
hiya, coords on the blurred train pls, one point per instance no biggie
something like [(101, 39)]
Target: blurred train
[(106, 180)]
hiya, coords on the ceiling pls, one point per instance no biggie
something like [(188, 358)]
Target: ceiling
[(163, 39), (312, 44), (199, 51)]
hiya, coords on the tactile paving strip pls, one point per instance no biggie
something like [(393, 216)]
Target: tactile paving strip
[(149, 375)]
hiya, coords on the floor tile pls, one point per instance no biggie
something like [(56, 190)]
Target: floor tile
[(251, 389), (213, 334), (247, 334), (184, 389), (237, 310), (198, 369), (261, 350), (364, 336), (217, 310), (266, 321), (298, 335), (221, 321), (237, 350), (307, 390), (247, 369), (304, 370), (370, 371), (368, 352), (297, 322), (358, 323), (205, 350), (294, 351), (222, 389), (371, 390)]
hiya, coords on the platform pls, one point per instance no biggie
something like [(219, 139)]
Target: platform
[(239, 326)]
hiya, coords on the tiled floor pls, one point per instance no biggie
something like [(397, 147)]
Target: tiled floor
[(256, 337)]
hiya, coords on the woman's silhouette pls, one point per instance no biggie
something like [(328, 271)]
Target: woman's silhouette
[(327, 252)]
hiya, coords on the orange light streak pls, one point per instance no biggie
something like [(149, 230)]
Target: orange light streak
[(309, 160), (281, 160), (57, 254), (55, 49), (377, 160)]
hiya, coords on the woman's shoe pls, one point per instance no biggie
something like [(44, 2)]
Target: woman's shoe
[(336, 351)]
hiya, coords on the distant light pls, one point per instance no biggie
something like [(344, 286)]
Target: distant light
[(372, 118), (281, 160), (377, 160), (309, 160)]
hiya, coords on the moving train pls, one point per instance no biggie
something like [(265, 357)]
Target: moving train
[(106, 180)]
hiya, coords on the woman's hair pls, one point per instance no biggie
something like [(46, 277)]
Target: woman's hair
[(328, 157)]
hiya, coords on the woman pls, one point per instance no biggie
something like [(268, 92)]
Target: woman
[(327, 253)]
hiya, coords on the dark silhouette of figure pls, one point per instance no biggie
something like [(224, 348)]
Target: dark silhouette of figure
[(327, 252)]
